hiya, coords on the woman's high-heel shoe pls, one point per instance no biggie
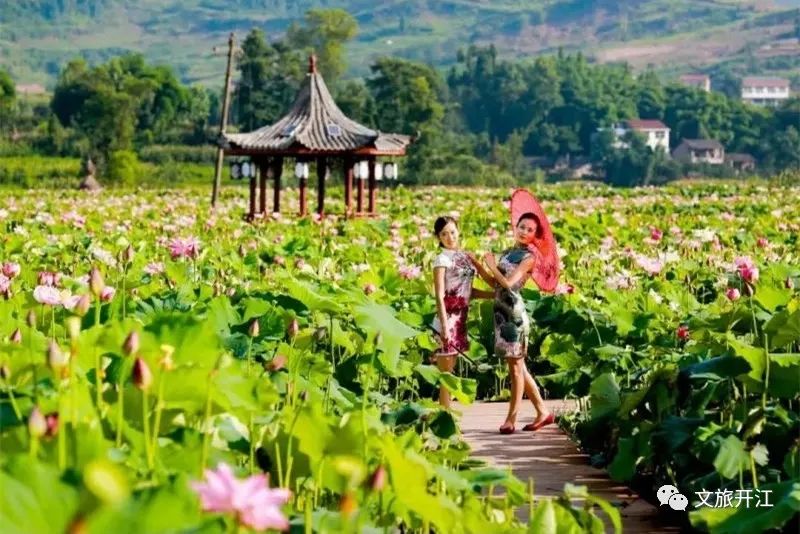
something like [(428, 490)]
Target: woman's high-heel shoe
[(549, 420)]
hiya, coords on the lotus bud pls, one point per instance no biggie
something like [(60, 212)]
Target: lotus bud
[(732, 293), (73, 327), (279, 260), (128, 255), (378, 338), (56, 358), (5, 372), (96, 283), (683, 332), (254, 329), (294, 328), (749, 290), (52, 424), (378, 479), (107, 294), (131, 344), (277, 363), (789, 283), (142, 377), (16, 337), (31, 318), (37, 424), (83, 305), (369, 289)]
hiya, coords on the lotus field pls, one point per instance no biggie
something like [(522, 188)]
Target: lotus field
[(166, 369)]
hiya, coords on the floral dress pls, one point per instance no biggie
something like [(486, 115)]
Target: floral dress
[(458, 275), (511, 323)]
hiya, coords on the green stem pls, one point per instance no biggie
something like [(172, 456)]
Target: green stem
[(146, 428), (34, 447), (252, 430), (249, 351), (279, 463), (121, 412), (206, 423), (62, 444), (53, 322), (10, 392), (766, 373), (159, 407), (124, 276)]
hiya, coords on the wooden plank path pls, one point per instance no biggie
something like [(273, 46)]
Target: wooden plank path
[(551, 459)]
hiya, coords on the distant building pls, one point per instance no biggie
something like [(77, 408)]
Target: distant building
[(708, 151), (740, 162), (30, 89), (655, 132), (701, 81), (765, 91)]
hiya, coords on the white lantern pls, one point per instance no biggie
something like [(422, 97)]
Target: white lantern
[(364, 172), (246, 169), (395, 171), (301, 170), (357, 171), (388, 171), (378, 171), (236, 172)]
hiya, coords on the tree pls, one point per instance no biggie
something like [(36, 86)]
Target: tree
[(325, 32), (8, 95), (269, 77), (409, 96)]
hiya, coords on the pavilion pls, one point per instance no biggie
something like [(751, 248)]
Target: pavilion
[(316, 130)]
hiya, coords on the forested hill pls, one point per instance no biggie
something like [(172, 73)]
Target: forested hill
[(37, 37)]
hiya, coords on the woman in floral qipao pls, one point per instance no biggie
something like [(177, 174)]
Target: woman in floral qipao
[(453, 272), (511, 322)]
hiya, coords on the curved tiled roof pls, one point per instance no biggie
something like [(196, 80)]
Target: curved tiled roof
[(315, 124)]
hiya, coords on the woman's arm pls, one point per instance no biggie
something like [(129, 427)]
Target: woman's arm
[(482, 293), (482, 272), (521, 271), (438, 288)]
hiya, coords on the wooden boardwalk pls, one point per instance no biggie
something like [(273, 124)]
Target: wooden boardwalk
[(551, 459)]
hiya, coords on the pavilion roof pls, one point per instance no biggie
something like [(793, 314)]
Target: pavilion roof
[(315, 125)]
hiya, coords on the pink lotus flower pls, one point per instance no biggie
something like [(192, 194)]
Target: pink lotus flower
[(47, 295), (154, 268), (410, 272), (46, 278), (251, 500), (656, 234), (683, 332), (789, 283), (762, 242), (653, 266), (732, 293), (107, 294), (5, 286), (747, 269), (10, 270), (369, 289), (184, 248), (564, 289)]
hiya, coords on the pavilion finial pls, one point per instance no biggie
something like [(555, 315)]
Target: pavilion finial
[(312, 64)]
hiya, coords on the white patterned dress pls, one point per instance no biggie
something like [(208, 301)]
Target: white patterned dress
[(458, 275)]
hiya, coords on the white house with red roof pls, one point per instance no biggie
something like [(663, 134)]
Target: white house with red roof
[(763, 91), (655, 133)]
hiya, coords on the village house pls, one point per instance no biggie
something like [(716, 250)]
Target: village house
[(740, 162), (701, 81), (765, 91), (708, 151), (655, 133)]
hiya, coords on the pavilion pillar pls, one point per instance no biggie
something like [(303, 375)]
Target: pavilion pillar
[(348, 186), (322, 171), (360, 196), (277, 170), (263, 170), (372, 185), (302, 197), (251, 212)]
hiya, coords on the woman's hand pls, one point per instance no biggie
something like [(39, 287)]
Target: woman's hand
[(473, 259), (490, 261)]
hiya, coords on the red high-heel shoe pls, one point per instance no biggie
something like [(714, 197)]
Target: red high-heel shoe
[(507, 429), (549, 420)]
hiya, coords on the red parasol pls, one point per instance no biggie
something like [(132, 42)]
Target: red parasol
[(545, 270)]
